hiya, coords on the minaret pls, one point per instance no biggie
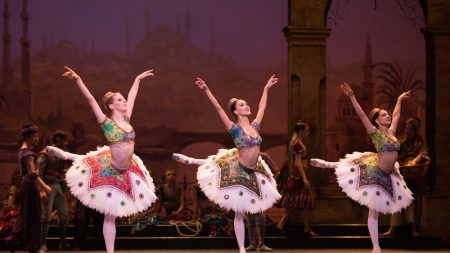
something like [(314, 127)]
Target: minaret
[(212, 49), (368, 67), (148, 27), (188, 21), (25, 61), (127, 38), (6, 47)]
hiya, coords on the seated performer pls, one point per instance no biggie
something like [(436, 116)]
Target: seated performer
[(170, 195), (373, 179), (413, 149), (238, 179), (112, 179)]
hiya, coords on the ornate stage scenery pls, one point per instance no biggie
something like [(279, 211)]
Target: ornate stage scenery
[(381, 48)]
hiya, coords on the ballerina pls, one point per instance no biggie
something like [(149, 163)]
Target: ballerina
[(373, 179), (112, 179), (237, 179)]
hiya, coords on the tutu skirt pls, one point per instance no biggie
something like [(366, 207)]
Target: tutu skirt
[(235, 187), (98, 185), (360, 178)]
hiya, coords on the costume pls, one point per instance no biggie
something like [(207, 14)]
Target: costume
[(231, 185), (360, 178), (290, 183), (170, 201), (112, 191), (27, 229)]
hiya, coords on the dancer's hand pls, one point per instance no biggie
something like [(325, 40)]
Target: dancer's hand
[(272, 81), (345, 87), (70, 73), (201, 84), (404, 95), (145, 74), (316, 163), (307, 185)]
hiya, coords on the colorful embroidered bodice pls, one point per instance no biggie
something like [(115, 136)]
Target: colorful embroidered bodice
[(114, 133), (243, 140), (383, 143)]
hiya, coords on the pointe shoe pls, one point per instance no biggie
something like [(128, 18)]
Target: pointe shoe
[(318, 163), (376, 249), (264, 248), (182, 158), (61, 154)]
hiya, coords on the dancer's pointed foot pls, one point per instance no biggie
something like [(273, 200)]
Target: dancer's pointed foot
[(376, 249), (61, 154), (182, 158), (318, 163)]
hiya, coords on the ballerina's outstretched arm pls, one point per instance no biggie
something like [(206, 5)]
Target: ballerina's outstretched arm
[(87, 94), (134, 89), (263, 101), (188, 160), (397, 110), (222, 114)]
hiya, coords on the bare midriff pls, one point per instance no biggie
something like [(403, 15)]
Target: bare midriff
[(386, 161), (249, 156), (121, 153)]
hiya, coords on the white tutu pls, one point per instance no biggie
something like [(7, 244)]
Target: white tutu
[(361, 179), (97, 185), (225, 182)]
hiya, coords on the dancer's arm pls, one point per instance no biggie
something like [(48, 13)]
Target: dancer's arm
[(345, 87), (222, 114), (263, 101), (87, 94), (33, 171), (134, 89), (397, 110)]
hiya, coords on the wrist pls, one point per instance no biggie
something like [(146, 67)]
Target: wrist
[(205, 88)]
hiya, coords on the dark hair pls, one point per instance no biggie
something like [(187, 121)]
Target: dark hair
[(300, 125), (28, 130), (59, 134), (374, 115), (414, 122)]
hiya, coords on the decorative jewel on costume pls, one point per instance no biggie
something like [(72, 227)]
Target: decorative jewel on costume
[(109, 194), (350, 181), (209, 183), (122, 203), (241, 193), (226, 196), (141, 196), (138, 182), (263, 181), (77, 167), (80, 184), (364, 193), (388, 203), (399, 197), (253, 201), (352, 169), (83, 171), (378, 193), (92, 196)]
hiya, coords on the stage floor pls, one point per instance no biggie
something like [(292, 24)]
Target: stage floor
[(277, 251)]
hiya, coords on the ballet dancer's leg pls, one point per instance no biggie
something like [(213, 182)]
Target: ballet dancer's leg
[(323, 164), (188, 160), (61, 154), (372, 224), (109, 232), (239, 230)]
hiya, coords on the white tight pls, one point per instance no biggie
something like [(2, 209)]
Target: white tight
[(109, 232), (372, 224), (239, 231)]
